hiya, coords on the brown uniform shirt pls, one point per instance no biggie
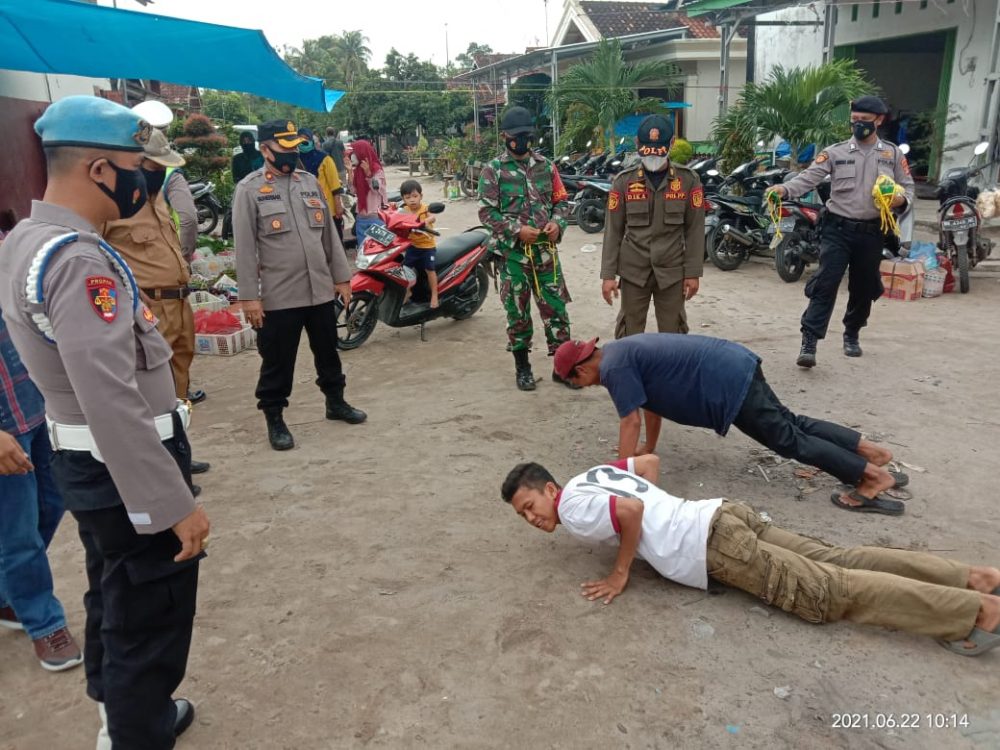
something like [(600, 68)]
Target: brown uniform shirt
[(110, 370), (151, 246), (853, 170), (654, 232), (288, 253)]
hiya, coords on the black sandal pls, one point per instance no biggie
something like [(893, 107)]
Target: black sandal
[(868, 504), (901, 479)]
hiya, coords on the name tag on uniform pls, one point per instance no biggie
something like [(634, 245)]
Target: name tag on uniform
[(675, 196), (268, 197), (636, 192)]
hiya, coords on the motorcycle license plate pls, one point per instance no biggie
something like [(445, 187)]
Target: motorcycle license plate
[(966, 222), (381, 235), (787, 225)]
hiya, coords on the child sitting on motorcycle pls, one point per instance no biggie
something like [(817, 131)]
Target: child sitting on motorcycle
[(420, 255)]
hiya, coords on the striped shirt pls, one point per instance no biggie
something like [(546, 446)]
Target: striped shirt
[(21, 406)]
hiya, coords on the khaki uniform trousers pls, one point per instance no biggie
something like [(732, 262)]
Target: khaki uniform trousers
[(911, 591), (667, 303), (176, 325)]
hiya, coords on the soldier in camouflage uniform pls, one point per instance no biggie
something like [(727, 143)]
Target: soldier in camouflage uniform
[(522, 199)]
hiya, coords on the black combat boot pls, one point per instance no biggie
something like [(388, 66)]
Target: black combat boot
[(525, 378), (277, 431), (338, 409), (852, 347), (807, 354)]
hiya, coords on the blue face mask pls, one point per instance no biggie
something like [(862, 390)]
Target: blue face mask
[(306, 147)]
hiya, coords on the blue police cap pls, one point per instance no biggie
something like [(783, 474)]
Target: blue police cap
[(92, 122)]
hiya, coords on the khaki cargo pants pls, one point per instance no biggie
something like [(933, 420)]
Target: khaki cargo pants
[(911, 591), (668, 305)]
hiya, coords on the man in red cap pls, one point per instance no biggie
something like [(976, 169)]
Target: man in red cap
[(708, 382)]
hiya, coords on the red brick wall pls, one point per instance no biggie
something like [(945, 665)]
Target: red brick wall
[(22, 171)]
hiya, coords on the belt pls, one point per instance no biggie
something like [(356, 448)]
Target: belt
[(77, 437), (177, 292), (866, 226)]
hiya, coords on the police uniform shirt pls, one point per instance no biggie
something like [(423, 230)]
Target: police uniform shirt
[(654, 231), (853, 170), (288, 253), (178, 195), (110, 368)]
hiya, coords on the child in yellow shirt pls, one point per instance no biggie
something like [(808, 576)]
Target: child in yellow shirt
[(420, 255)]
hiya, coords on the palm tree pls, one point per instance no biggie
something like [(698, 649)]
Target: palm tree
[(353, 54), (801, 105), (605, 88)]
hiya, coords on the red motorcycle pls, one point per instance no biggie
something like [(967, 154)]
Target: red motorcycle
[(379, 287)]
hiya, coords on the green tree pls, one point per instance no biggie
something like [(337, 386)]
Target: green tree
[(202, 147), (800, 105), (531, 92), (606, 87), (465, 60), (352, 48), (340, 60)]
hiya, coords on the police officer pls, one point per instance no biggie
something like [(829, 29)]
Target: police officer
[(654, 237), (523, 201), (152, 248), (291, 268), (852, 237), (122, 458)]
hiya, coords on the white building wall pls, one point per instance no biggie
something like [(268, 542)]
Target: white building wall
[(34, 87), (973, 19), (788, 46)]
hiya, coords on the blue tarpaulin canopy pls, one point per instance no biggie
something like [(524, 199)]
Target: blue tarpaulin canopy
[(64, 36)]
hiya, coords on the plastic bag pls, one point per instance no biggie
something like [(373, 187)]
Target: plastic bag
[(944, 262), (925, 251), (218, 321), (986, 204)]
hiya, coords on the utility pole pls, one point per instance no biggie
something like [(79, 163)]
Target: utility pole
[(447, 56), (547, 40)]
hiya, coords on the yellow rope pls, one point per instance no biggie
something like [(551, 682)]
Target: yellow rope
[(883, 193), (531, 258), (774, 212)]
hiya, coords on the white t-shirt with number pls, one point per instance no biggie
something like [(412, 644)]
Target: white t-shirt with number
[(674, 538)]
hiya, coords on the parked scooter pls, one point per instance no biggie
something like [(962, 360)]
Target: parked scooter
[(591, 206), (378, 289), (959, 220), (208, 206)]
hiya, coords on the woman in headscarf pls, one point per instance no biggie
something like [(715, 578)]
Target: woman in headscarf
[(248, 160), (369, 186), (323, 168)]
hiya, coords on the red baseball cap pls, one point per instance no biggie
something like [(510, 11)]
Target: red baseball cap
[(570, 354)]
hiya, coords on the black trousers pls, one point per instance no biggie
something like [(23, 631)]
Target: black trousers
[(278, 344), (140, 605), (825, 445), (855, 248)]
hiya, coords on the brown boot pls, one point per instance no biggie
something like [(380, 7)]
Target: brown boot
[(58, 651)]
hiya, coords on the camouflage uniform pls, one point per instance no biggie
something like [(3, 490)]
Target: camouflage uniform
[(513, 194)]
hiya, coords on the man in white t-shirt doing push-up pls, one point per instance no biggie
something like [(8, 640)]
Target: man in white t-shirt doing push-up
[(688, 541)]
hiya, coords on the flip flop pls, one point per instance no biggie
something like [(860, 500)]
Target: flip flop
[(895, 493), (901, 479), (869, 504), (984, 640)]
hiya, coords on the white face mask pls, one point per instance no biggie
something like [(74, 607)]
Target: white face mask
[(354, 160), (655, 163)]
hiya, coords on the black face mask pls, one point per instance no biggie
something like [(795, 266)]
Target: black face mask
[(247, 146), (862, 129), (285, 163), (154, 179), (130, 191), (519, 144)]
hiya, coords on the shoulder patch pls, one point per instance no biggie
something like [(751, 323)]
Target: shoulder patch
[(614, 200), (697, 197), (823, 157), (904, 165), (103, 295)]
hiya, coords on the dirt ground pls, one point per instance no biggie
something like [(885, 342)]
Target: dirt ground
[(370, 589)]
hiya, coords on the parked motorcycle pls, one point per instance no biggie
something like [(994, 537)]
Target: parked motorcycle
[(378, 289), (959, 220), (591, 206), (208, 206)]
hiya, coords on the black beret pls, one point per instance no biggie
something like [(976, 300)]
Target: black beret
[(870, 104), (655, 130)]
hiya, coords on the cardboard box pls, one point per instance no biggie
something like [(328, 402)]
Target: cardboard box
[(903, 279)]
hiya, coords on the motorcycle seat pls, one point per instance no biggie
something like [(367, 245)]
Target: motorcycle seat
[(451, 249), (748, 201)]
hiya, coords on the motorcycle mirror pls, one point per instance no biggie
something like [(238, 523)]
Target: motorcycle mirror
[(616, 163), (982, 148), (760, 144), (620, 142), (435, 208), (589, 143), (564, 159), (904, 148), (712, 173)]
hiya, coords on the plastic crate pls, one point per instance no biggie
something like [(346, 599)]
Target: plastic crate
[(224, 344), (201, 300), (934, 282)]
